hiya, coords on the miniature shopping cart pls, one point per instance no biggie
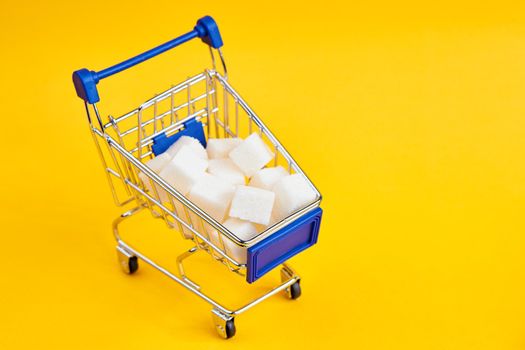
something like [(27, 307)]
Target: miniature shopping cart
[(202, 106)]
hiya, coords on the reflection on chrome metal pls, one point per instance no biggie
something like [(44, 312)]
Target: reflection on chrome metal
[(221, 320), (223, 63), (123, 259), (182, 274), (287, 273)]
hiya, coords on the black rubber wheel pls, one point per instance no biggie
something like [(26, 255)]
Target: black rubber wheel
[(295, 290), (230, 329), (133, 264)]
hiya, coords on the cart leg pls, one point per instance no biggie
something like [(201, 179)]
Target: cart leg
[(128, 262), (123, 217), (224, 324), (180, 265), (294, 290)]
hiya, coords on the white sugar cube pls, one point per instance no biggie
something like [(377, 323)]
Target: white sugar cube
[(191, 142), (252, 204), (267, 177), (244, 230), (272, 222), (195, 221), (251, 155), (184, 170), (179, 209), (206, 230), (226, 170), (213, 195), (291, 193), (220, 148), (156, 165)]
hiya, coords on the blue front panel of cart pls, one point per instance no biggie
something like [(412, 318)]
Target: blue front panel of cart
[(192, 128), (283, 244)]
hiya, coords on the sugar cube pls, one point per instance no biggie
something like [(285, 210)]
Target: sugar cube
[(213, 195), (252, 204), (194, 220), (191, 142), (251, 154), (179, 209), (292, 192), (220, 148), (244, 230), (226, 170), (184, 170), (200, 225), (272, 222), (267, 177), (156, 165)]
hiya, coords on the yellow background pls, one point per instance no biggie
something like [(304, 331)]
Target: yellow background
[(409, 118)]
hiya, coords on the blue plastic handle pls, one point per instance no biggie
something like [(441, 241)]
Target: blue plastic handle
[(86, 81)]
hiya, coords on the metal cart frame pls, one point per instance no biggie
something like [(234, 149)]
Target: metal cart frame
[(201, 106)]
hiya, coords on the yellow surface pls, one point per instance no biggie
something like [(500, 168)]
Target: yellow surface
[(409, 119)]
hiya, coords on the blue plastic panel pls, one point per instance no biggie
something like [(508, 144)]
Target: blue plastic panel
[(283, 244), (192, 128)]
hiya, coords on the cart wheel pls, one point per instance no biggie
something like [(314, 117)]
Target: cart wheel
[(230, 328), (224, 324), (294, 291), (128, 263), (133, 264)]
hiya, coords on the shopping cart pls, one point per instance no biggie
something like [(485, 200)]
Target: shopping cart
[(202, 106)]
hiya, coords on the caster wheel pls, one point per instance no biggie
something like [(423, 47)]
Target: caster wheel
[(128, 263), (295, 290), (133, 264), (230, 329), (224, 324)]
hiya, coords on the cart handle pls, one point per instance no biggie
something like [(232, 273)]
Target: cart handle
[(86, 81)]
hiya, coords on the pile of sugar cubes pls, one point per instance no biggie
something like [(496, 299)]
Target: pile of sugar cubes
[(230, 181)]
